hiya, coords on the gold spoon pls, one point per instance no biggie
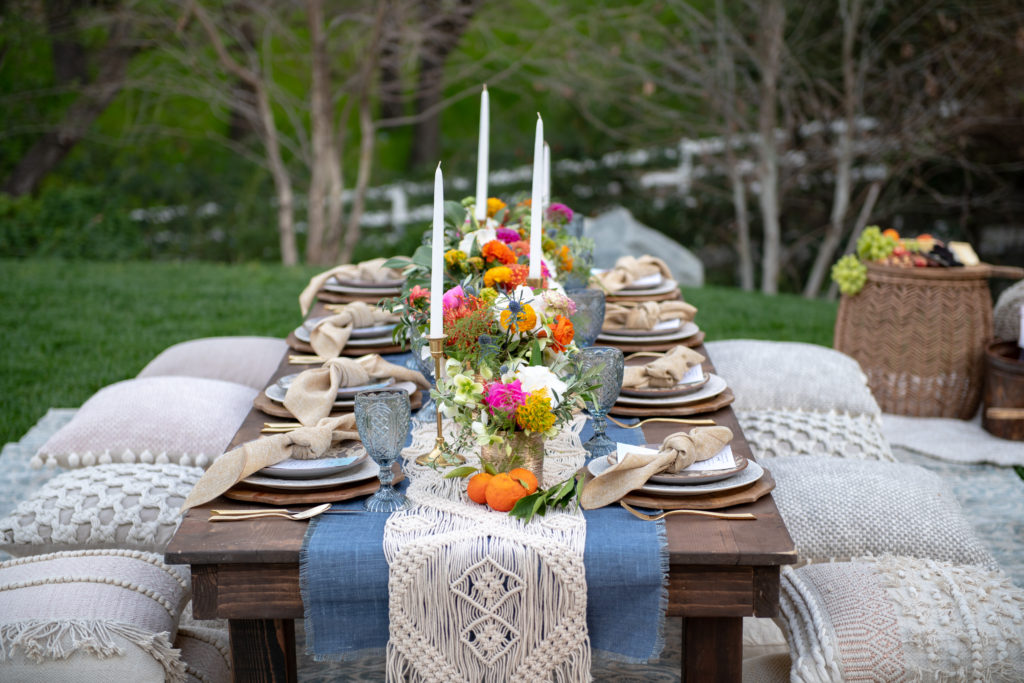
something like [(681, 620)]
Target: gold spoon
[(679, 420), (702, 513), (296, 516)]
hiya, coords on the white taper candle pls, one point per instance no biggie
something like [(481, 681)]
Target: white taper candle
[(483, 157), (437, 258), (547, 176), (536, 210)]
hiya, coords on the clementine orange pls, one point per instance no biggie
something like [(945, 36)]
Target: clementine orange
[(477, 487), (503, 492), (526, 478)]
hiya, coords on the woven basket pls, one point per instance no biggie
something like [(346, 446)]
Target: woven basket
[(919, 334)]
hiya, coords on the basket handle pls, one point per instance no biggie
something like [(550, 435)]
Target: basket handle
[(1008, 272)]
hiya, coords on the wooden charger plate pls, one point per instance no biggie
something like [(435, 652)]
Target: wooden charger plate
[(303, 347), (709, 406), (346, 492), (264, 404), (711, 501), (340, 298)]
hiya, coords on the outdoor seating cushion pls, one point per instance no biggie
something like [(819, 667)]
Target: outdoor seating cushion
[(777, 433), (836, 509), (184, 420), (1006, 314), (93, 615), (767, 375), (243, 360), (902, 619), (107, 506), (206, 654), (773, 668)]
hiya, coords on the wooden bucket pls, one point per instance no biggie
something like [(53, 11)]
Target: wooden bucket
[(1004, 391)]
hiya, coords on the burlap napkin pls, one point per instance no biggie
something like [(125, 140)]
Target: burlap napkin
[(305, 443), (329, 337), (662, 372), (646, 314), (368, 271), (678, 451), (312, 394), (629, 269)]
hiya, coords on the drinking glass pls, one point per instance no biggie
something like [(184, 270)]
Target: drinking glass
[(589, 316), (382, 418), (610, 362), (424, 362)]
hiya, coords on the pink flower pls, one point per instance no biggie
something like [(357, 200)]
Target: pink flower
[(559, 213), (417, 293), (544, 269), (504, 397), (508, 235), (453, 297)]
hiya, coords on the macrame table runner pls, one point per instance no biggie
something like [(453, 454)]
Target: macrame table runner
[(468, 594)]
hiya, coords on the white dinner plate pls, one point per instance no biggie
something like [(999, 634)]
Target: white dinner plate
[(748, 475), (663, 327), (680, 389), (632, 337), (375, 290), (645, 282), (665, 287), (345, 457), (358, 333), (365, 284), (367, 469), (346, 395), (714, 387)]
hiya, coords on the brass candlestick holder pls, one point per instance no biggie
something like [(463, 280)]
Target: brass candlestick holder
[(440, 454), (534, 282)]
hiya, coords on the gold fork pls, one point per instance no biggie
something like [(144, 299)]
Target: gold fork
[(679, 420), (702, 513), (305, 360)]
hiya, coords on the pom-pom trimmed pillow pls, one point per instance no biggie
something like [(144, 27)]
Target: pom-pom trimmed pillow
[(902, 619), (92, 615), (777, 433), (107, 506), (768, 375), (244, 360), (836, 509), (184, 420), (206, 654)]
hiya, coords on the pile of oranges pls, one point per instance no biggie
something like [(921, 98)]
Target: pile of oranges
[(501, 491)]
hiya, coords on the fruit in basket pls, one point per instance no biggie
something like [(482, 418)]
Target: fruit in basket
[(850, 274), (873, 245)]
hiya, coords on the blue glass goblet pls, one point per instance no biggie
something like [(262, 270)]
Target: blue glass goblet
[(424, 362), (588, 319), (382, 418), (610, 363)]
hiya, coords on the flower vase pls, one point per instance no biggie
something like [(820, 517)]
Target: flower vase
[(526, 449)]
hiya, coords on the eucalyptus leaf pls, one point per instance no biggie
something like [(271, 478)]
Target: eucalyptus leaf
[(421, 257), (454, 214), (460, 472)]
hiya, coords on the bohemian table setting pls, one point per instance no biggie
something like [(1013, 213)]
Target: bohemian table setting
[(507, 500)]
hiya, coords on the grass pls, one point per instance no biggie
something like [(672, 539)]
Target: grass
[(71, 328)]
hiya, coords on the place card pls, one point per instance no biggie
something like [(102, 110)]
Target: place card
[(723, 460), (694, 374)]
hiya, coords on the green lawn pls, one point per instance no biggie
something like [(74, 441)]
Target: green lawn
[(71, 328)]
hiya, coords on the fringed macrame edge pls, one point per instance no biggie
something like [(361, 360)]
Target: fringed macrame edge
[(42, 641)]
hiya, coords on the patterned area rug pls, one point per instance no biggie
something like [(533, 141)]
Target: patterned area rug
[(992, 498)]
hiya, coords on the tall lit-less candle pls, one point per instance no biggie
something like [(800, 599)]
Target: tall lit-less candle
[(536, 210), (482, 157), (437, 258), (547, 177)]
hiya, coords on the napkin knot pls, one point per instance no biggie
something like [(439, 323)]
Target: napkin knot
[(664, 372), (629, 269), (646, 314), (367, 271)]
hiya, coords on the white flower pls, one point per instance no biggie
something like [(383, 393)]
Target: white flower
[(535, 377), (481, 237)]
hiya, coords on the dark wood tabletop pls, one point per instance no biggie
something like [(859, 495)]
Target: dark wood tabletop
[(720, 571)]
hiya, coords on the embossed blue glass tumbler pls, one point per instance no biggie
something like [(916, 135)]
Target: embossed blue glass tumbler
[(382, 418), (610, 362), (424, 362), (588, 319)]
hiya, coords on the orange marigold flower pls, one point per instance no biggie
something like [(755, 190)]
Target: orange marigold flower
[(535, 415), (498, 275), (562, 333), (495, 250), (494, 205), (520, 247), (565, 258), (525, 320), (520, 273)]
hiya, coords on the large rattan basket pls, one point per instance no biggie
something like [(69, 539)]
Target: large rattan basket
[(919, 334)]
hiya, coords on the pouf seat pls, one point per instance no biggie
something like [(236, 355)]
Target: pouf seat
[(243, 360)]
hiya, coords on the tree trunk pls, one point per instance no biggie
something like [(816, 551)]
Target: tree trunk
[(392, 100), (770, 57), (95, 97), (322, 121), (367, 138)]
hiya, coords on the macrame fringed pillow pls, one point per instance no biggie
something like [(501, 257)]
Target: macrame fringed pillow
[(206, 654), (107, 506), (99, 615), (901, 619), (182, 420), (836, 509), (243, 360), (781, 433)]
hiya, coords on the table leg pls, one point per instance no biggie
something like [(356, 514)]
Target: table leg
[(263, 650), (712, 649)]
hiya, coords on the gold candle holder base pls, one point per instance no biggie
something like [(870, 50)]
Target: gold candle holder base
[(440, 455), (534, 282)]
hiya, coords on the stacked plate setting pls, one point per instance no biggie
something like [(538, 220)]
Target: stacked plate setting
[(348, 463), (696, 387), (655, 285), (378, 335), (364, 288)]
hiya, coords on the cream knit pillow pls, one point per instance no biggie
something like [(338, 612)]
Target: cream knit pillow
[(206, 654), (779, 433), (107, 506), (184, 420), (244, 360)]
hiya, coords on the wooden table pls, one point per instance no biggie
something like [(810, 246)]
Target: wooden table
[(719, 572)]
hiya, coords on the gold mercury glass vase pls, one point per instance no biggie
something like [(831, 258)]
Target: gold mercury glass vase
[(528, 450)]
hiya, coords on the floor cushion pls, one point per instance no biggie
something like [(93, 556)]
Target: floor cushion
[(767, 375), (106, 506), (184, 420), (773, 668), (244, 360), (836, 509), (895, 618), (92, 615), (1006, 313), (206, 654), (777, 433)]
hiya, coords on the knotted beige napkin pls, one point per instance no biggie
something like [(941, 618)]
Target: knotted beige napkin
[(629, 269), (312, 394), (678, 451), (329, 337), (368, 271), (305, 443), (663, 372), (646, 314)]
